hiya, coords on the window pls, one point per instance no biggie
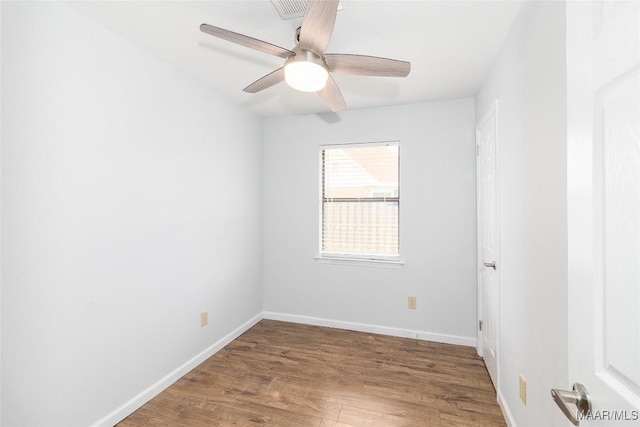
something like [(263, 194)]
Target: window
[(360, 201)]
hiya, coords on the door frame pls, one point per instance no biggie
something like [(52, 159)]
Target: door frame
[(493, 109)]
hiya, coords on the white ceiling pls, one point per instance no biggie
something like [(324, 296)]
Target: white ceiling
[(451, 46)]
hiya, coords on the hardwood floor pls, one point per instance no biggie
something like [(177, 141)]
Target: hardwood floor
[(286, 374)]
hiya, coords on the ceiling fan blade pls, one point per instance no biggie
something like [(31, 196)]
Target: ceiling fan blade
[(332, 96), (367, 65), (317, 25), (267, 81), (247, 41)]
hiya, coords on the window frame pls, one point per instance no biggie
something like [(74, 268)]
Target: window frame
[(346, 258)]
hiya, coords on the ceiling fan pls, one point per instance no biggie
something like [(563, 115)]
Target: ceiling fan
[(307, 67)]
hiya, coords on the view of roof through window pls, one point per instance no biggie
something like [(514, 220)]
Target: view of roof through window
[(360, 199)]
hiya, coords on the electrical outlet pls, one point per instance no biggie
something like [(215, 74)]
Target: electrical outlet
[(523, 390), (412, 302), (204, 318)]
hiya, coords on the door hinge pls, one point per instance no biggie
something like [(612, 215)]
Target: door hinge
[(477, 150), (480, 324)]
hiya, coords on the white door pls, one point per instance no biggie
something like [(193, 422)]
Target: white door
[(488, 277), (603, 97)]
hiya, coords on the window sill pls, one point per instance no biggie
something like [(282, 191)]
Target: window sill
[(362, 262)]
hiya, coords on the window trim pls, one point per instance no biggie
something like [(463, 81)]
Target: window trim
[(352, 260), (368, 260)]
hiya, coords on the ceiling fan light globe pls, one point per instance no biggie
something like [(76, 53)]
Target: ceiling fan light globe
[(305, 76), (305, 71)]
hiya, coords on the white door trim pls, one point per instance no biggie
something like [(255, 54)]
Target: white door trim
[(492, 111)]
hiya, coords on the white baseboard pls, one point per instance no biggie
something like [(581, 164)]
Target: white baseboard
[(129, 407), (374, 329), (505, 410)]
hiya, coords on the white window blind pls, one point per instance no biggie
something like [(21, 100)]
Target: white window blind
[(360, 200)]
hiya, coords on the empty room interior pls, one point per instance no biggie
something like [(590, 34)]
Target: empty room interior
[(446, 233)]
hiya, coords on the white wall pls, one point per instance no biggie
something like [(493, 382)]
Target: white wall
[(437, 224), (529, 79), (131, 201), (0, 213)]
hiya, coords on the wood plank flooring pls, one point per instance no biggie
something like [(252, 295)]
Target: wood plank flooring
[(286, 374)]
